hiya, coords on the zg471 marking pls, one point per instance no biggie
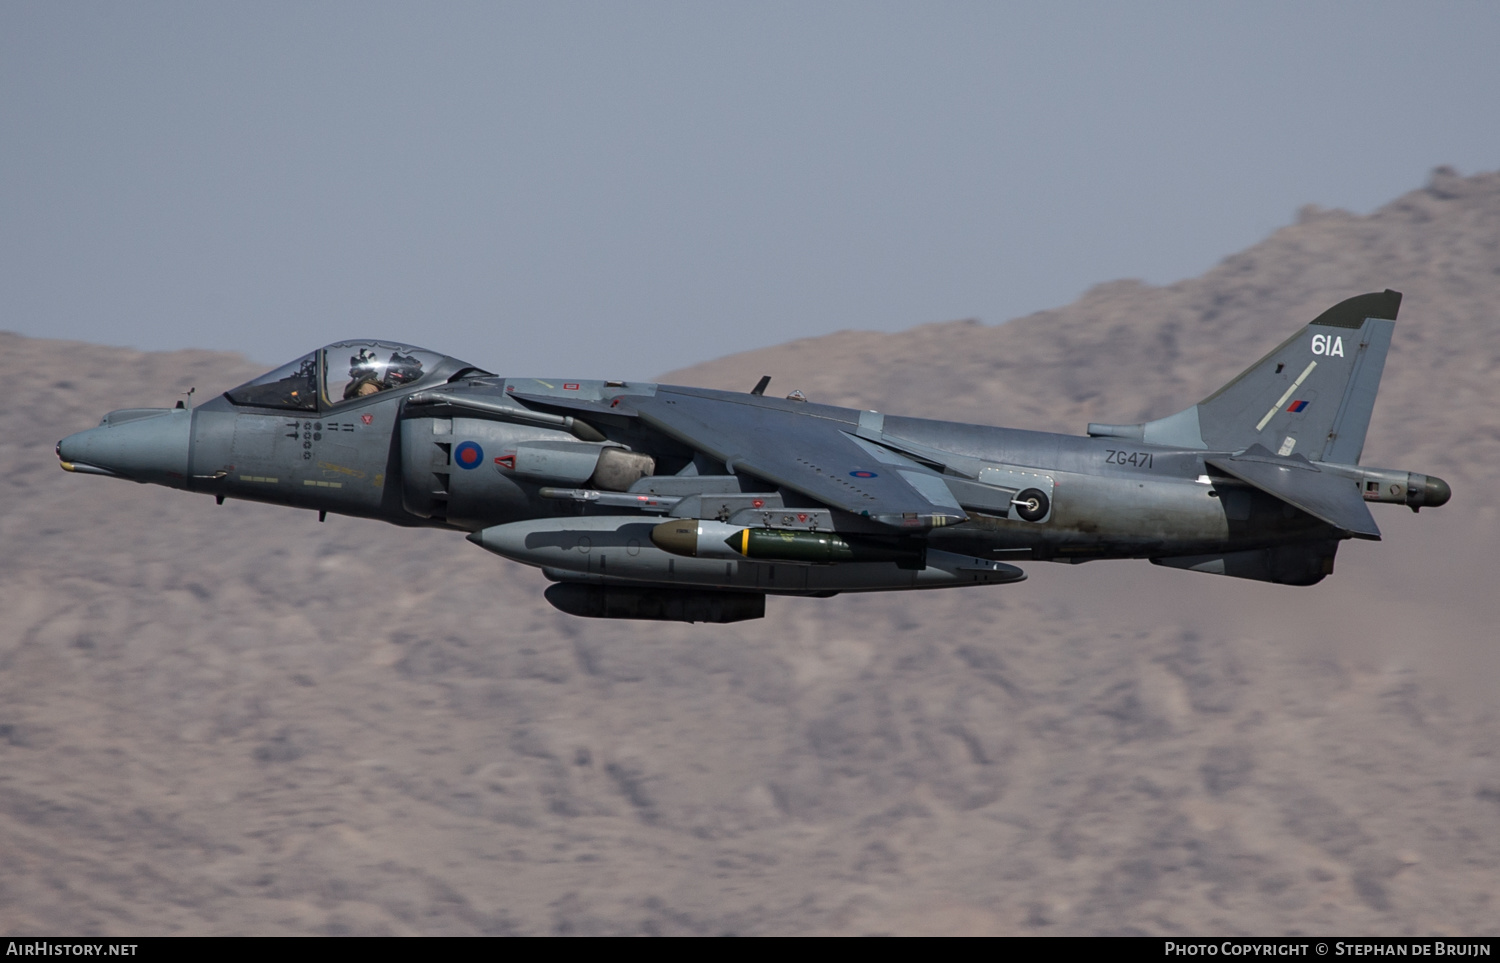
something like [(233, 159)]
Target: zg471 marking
[(1135, 459)]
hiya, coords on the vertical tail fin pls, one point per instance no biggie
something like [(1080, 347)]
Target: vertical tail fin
[(1313, 395)]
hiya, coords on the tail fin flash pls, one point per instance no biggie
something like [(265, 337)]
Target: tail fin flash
[(1313, 395)]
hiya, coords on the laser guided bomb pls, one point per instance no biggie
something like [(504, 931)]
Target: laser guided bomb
[(706, 538), (663, 502)]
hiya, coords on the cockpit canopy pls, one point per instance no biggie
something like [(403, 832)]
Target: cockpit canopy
[(345, 372)]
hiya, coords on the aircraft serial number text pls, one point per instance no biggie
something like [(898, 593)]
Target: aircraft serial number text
[(1135, 459)]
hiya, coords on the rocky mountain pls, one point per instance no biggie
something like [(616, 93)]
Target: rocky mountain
[(237, 720)]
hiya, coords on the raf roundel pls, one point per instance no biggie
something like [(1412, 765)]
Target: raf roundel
[(468, 455), (863, 474)]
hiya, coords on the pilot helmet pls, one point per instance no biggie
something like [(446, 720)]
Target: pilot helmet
[(364, 364), (402, 369)]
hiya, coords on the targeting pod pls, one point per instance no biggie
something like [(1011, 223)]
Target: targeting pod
[(703, 538)]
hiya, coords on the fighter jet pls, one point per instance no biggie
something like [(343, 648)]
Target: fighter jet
[(651, 501)]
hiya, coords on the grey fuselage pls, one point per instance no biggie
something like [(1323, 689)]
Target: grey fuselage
[(382, 457)]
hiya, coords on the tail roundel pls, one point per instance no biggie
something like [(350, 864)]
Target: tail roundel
[(1312, 396)]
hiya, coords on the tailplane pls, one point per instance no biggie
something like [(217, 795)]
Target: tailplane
[(1312, 396)]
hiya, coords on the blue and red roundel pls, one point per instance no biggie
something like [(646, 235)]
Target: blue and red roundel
[(863, 474), (468, 455)]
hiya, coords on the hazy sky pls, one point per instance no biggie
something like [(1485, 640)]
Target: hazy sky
[(618, 189)]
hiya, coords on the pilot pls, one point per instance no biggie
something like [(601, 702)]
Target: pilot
[(364, 375)]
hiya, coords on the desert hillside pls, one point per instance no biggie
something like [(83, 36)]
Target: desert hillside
[(234, 719)]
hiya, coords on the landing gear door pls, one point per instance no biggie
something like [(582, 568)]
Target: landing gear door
[(1032, 500)]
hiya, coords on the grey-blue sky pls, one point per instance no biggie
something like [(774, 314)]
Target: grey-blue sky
[(620, 189)]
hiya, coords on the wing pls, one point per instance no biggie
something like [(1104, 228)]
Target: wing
[(1323, 495), (806, 452)]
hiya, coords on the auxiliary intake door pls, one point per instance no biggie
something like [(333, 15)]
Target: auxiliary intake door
[(426, 466)]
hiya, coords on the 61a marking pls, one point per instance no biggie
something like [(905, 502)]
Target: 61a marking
[(1329, 344), (1135, 459)]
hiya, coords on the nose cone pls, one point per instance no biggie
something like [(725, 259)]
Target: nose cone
[(149, 447), (510, 541), (1435, 492), (678, 536)]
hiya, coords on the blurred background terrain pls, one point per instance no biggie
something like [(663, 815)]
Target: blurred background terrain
[(235, 720)]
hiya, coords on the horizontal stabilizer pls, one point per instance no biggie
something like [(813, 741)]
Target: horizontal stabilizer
[(1323, 495)]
